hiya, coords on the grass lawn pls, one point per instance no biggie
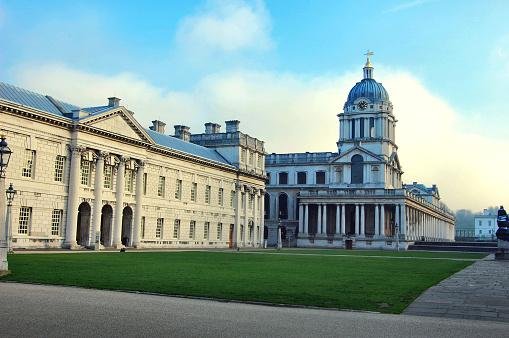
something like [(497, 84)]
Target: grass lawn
[(321, 278)]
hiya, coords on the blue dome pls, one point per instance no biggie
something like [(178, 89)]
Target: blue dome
[(367, 88)]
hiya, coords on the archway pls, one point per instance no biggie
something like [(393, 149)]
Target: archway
[(357, 169), (106, 216), (83, 228), (266, 206), (127, 226)]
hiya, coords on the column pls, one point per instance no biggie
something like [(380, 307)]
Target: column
[(119, 204), (306, 219), (382, 220), (363, 221), (236, 227), (137, 211), (343, 218), (72, 199), (319, 220), (357, 220), (338, 230), (246, 220), (255, 218), (377, 221), (366, 128), (301, 218), (98, 191), (324, 214), (262, 215), (402, 219)]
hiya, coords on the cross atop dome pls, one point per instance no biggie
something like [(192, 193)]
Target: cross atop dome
[(368, 68)]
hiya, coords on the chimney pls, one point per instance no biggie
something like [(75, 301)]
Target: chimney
[(212, 128), (182, 132), (113, 101), (158, 126), (232, 126)]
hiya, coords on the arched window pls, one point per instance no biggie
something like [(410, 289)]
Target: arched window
[(266, 206), (357, 169), (283, 206)]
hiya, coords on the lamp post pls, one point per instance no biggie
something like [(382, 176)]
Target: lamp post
[(5, 155), (8, 218)]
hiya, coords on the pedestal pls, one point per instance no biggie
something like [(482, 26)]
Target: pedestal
[(502, 250)]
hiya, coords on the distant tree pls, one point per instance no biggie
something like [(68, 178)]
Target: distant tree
[(464, 218)]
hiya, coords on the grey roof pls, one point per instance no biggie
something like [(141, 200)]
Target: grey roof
[(95, 110), (186, 147), (34, 100)]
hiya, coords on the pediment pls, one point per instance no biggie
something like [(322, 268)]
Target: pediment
[(118, 122), (367, 156)]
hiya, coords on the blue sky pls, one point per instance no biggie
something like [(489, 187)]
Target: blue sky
[(213, 60)]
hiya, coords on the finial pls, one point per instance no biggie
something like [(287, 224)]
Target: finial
[(368, 68), (368, 61)]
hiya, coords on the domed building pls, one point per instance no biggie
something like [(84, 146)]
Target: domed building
[(355, 196)]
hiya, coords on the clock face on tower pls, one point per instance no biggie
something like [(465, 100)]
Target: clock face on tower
[(362, 105)]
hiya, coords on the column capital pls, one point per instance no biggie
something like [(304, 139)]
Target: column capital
[(123, 159), (76, 149), (101, 155)]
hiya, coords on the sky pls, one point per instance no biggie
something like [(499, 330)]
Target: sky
[(284, 69)]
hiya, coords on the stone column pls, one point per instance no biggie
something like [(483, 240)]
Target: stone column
[(262, 215), (338, 229), (324, 214), (73, 198), (306, 219), (382, 220), (366, 128), (119, 203), (319, 220), (301, 218), (246, 220), (357, 230), (343, 219), (377, 221), (98, 191), (137, 211), (363, 221), (255, 218), (236, 227), (402, 219)]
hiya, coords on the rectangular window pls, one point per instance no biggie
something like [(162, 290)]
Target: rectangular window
[(283, 178), (251, 158), (206, 227), (129, 180), (108, 176), (176, 229), (194, 187), (161, 186), (59, 168), (192, 229), (28, 165), (178, 189), (142, 227), (219, 231), (251, 201), (25, 220), (301, 177), (56, 221), (144, 183), (207, 194), (260, 161), (243, 155), (85, 172), (320, 177), (243, 200), (232, 198), (220, 196), (159, 228)]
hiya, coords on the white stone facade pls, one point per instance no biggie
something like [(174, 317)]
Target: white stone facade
[(95, 178), (485, 226)]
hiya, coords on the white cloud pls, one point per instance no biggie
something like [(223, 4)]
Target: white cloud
[(297, 114), (226, 26)]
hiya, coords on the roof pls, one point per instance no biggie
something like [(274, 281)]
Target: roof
[(369, 89)]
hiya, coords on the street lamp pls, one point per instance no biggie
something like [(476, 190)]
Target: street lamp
[(10, 197), (5, 156)]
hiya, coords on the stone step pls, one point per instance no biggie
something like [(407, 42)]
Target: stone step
[(459, 243), (463, 248)]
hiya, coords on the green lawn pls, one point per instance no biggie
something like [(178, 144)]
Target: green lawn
[(319, 278)]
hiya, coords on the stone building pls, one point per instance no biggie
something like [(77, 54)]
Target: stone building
[(354, 196), (485, 226), (94, 177)]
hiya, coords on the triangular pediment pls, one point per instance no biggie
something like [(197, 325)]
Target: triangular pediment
[(118, 121), (367, 155)]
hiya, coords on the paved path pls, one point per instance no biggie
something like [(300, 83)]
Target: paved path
[(481, 291), (52, 311)]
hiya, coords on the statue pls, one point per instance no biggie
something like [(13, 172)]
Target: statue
[(502, 234)]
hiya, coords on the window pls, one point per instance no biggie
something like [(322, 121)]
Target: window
[(56, 221), (192, 229), (207, 194), (250, 230), (283, 178), (489, 223), (268, 179), (142, 227), (129, 180), (301, 177), (242, 232), (251, 158), (372, 126), (108, 175), (161, 186), (144, 183), (480, 223), (28, 167), (159, 228), (178, 189), (251, 201), (480, 232), (206, 228), (59, 168), (320, 177), (220, 196), (219, 231), (232, 197), (357, 169), (194, 187), (352, 128), (85, 172), (260, 161), (25, 220), (283, 206), (243, 156), (361, 129), (176, 229), (266, 208), (243, 200)]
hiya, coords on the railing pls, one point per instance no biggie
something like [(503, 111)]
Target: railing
[(299, 158)]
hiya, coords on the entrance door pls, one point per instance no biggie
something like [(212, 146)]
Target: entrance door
[(230, 237), (127, 223), (83, 227), (106, 216)]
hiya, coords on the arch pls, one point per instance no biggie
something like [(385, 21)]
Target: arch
[(283, 206), (83, 227), (266, 206), (106, 221), (357, 169), (127, 226)]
